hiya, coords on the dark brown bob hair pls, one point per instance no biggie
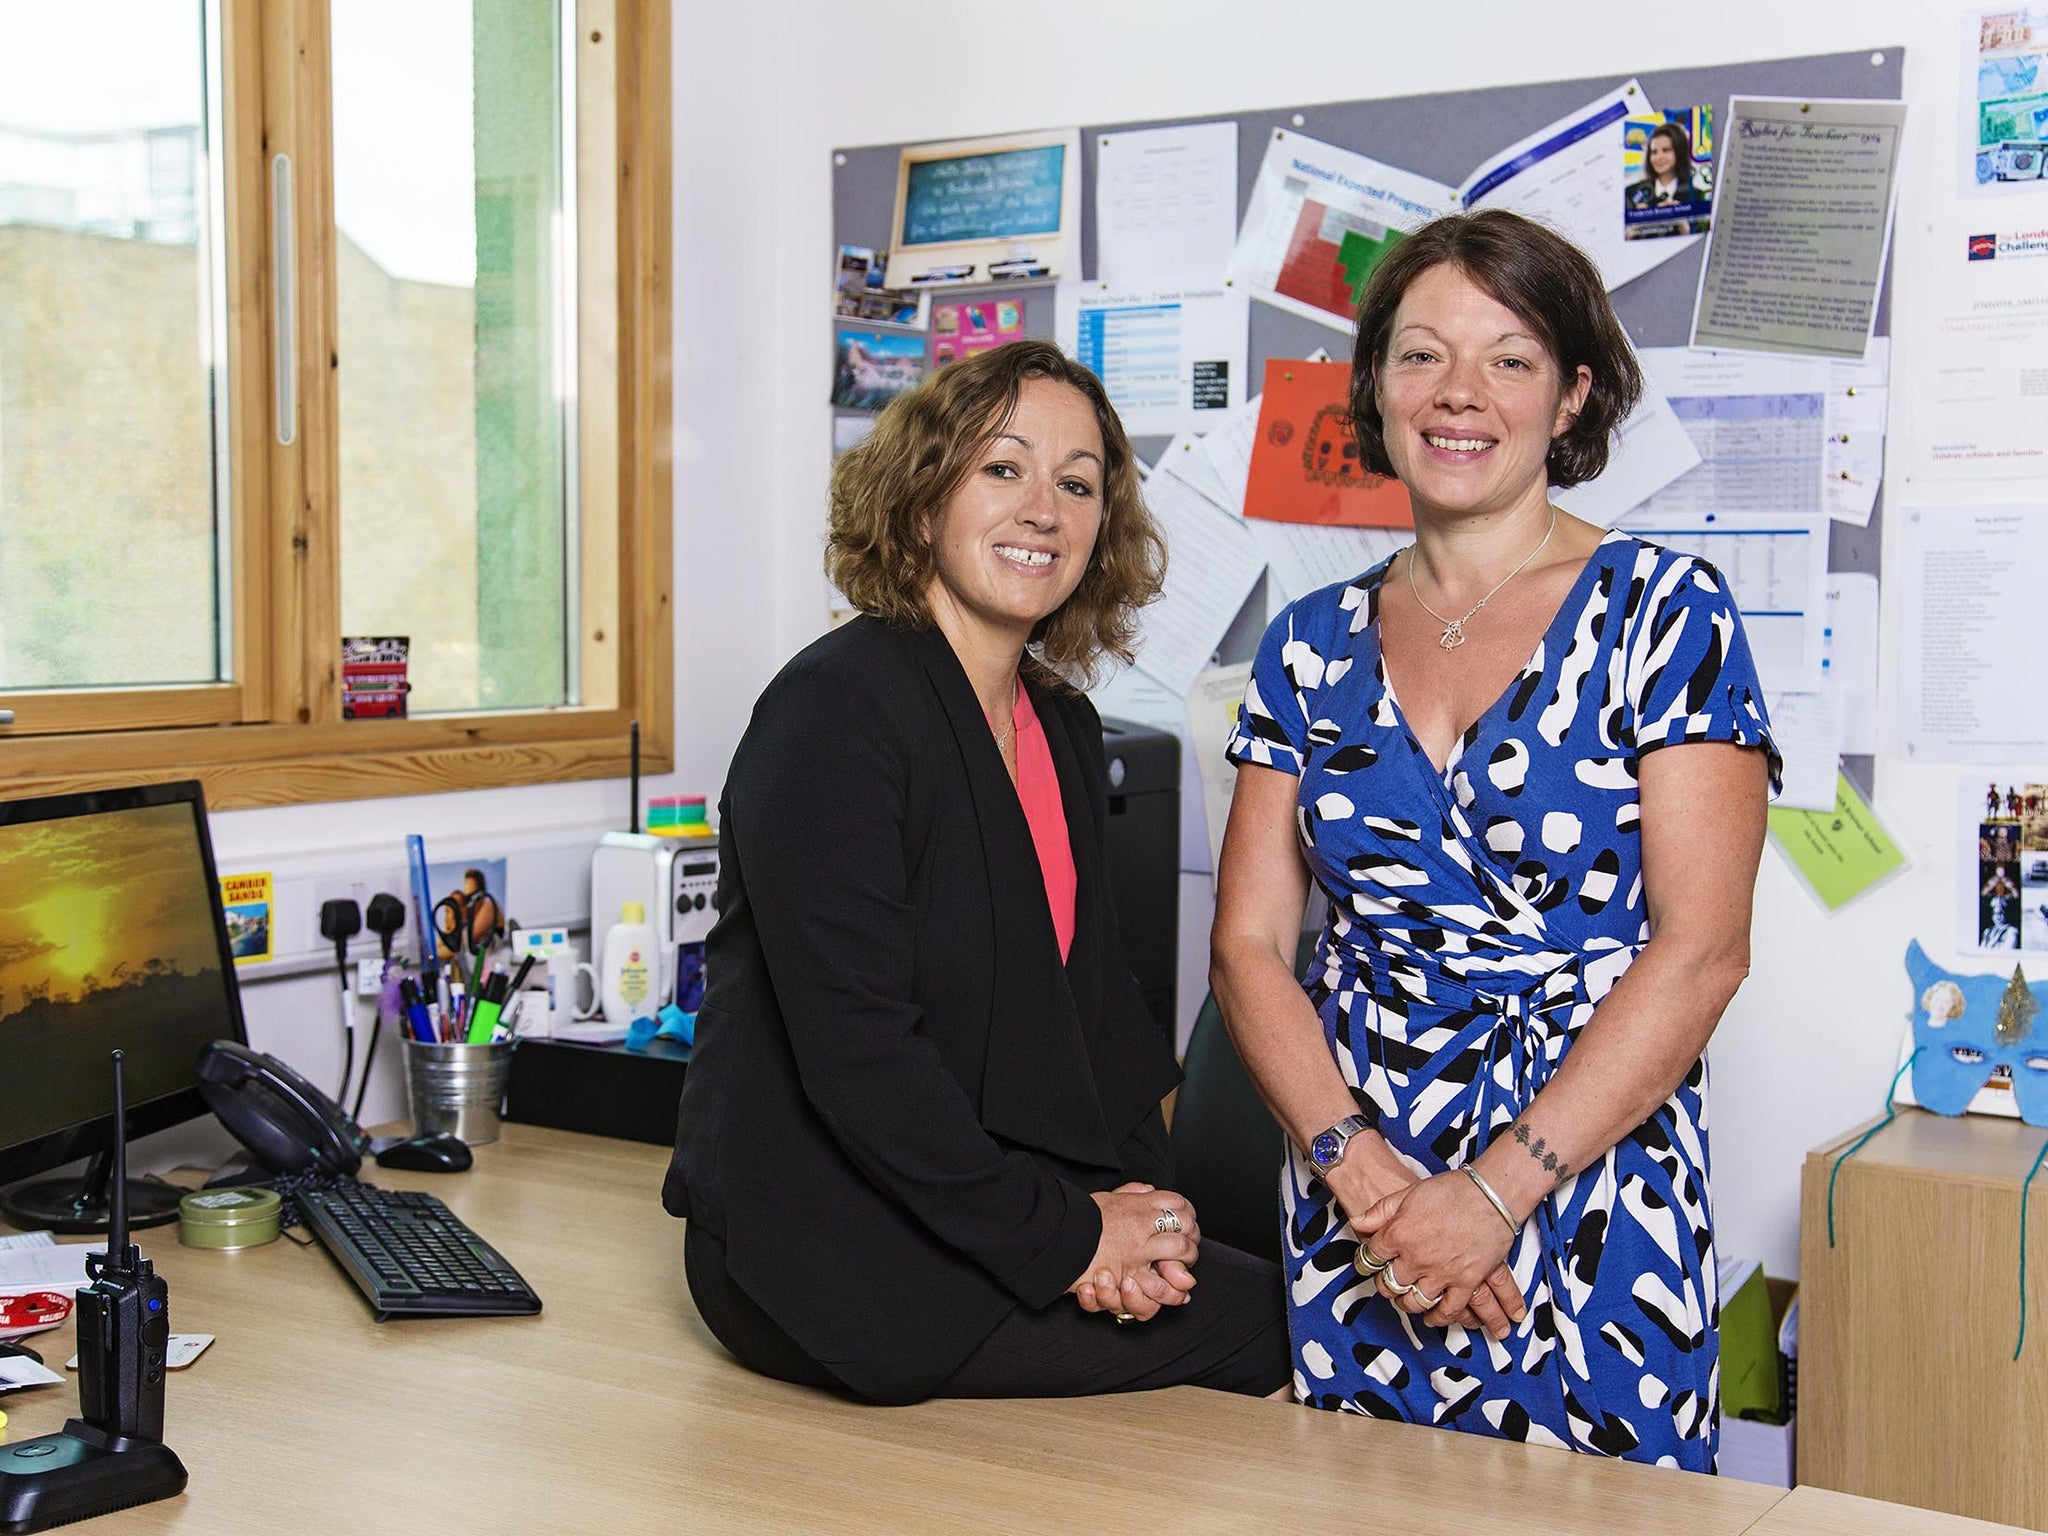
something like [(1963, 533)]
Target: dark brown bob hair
[(1681, 154), (1552, 287), (889, 490)]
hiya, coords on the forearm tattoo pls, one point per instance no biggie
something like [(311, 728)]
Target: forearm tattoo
[(1552, 1163)]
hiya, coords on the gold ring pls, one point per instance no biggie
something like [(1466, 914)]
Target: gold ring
[(1127, 1317)]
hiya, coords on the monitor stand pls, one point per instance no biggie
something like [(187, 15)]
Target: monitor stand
[(80, 1205)]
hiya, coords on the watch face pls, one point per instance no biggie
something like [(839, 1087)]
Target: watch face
[(1324, 1149)]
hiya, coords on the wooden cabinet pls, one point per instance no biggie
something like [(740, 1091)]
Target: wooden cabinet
[(1908, 1389)]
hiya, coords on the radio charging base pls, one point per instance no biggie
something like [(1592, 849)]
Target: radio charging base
[(79, 1472)]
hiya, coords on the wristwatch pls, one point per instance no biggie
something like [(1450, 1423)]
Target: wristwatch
[(1327, 1150)]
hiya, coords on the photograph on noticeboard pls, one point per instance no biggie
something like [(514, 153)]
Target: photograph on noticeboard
[(874, 367), (2005, 886), (1668, 173), (858, 294)]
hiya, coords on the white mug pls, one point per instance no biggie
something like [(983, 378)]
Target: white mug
[(564, 972)]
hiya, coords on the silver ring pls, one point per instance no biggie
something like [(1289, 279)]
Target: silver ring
[(1394, 1286), (1428, 1300), (1166, 1221), (1127, 1317)]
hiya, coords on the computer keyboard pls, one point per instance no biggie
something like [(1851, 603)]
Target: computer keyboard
[(413, 1257)]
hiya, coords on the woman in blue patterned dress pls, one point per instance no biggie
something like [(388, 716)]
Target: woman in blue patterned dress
[(1528, 763)]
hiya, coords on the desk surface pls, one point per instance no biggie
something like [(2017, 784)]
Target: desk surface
[(614, 1411)]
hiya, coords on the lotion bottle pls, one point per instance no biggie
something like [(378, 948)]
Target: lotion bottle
[(632, 967)]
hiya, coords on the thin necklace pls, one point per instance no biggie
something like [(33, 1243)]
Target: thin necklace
[(1454, 629), (1003, 736)]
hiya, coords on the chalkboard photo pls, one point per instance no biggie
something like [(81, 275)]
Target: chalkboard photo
[(984, 197), (982, 210)]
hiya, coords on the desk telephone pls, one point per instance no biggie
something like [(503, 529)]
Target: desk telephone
[(290, 1126)]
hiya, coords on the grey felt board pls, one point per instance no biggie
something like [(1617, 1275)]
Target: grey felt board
[(1441, 136)]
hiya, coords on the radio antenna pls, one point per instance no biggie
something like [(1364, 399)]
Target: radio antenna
[(634, 825), (117, 1197)]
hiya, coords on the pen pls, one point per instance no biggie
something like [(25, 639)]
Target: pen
[(418, 1025), (519, 976)]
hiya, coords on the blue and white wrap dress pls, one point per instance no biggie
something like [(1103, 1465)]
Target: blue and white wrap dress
[(1477, 917)]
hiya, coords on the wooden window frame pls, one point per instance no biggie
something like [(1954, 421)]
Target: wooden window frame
[(275, 735)]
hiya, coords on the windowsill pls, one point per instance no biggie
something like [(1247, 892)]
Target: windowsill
[(273, 765)]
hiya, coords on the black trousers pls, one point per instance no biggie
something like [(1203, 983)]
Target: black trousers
[(1231, 1336)]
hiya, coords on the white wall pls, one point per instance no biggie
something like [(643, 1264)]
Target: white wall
[(1809, 1045), (764, 92)]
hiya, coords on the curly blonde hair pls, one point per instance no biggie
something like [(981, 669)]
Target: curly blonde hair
[(889, 491)]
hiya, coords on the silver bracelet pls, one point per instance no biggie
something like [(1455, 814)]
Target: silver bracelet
[(1492, 1199)]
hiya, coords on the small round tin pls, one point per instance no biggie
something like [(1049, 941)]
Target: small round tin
[(228, 1219)]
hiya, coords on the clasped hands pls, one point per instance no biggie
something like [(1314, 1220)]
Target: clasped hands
[(1138, 1267), (1446, 1247)]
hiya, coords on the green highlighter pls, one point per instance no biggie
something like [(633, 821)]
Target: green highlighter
[(483, 1020)]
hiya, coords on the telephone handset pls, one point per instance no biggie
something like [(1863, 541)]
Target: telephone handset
[(288, 1124)]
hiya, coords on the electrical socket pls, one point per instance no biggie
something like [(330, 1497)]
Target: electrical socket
[(333, 888)]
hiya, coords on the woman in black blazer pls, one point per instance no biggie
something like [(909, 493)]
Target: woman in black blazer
[(921, 1150)]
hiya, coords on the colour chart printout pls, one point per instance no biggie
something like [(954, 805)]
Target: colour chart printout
[(1321, 218)]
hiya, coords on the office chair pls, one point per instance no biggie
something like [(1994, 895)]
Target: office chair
[(1227, 1149)]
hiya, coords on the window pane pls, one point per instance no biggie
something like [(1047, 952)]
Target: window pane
[(112, 416), (457, 520)]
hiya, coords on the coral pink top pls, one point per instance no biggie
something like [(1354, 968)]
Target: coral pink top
[(1038, 787)]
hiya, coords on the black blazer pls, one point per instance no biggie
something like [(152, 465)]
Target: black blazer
[(900, 1098)]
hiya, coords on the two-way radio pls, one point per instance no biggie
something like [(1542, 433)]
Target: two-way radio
[(112, 1455)]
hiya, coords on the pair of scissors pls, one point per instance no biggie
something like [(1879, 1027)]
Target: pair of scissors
[(466, 924)]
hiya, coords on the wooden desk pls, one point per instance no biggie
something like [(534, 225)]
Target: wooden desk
[(614, 1411)]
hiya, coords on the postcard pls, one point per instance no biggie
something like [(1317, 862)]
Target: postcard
[(858, 294), (246, 904), (2004, 100), (961, 330), (874, 367)]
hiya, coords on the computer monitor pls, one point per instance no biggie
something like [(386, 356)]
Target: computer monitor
[(111, 936)]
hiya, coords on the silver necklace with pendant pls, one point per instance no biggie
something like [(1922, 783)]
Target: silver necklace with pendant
[(1454, 629)]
